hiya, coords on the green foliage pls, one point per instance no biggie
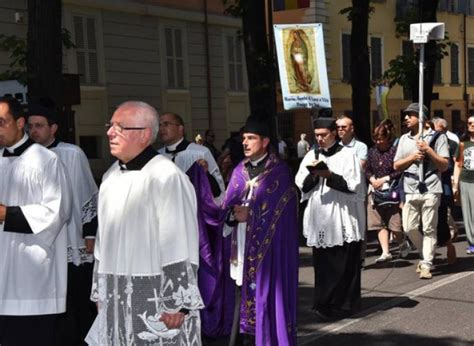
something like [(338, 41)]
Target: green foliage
[(404, 68), (17, 50), (235, 8), (401, 70)]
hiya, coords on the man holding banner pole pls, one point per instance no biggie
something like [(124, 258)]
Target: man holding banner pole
[(427, 153)]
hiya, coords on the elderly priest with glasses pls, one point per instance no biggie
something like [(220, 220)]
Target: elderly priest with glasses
[(145, 275)]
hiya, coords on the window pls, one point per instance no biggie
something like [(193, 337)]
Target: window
[(470, 7), (403, 8), (456, 123), (346, 57), (235, 66), (437, 74), (470, 64), (375, 119), (174, 57), (454, 59), (438, 113), (443, 5), (407, 50), (285, 125), (376, 57), (91, 146), (86, 49)]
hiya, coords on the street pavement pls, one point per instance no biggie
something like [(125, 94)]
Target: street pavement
[(397, 307)]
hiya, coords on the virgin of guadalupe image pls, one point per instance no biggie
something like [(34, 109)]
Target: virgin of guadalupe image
[(300, 63)]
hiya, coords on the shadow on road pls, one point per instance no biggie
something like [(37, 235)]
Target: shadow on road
[(383, 338)]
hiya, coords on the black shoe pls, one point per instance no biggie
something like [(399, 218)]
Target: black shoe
[(321, 316)]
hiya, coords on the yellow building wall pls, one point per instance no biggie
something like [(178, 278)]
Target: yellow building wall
[(382, 24)]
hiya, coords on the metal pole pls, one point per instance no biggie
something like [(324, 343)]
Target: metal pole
[(420, 103)]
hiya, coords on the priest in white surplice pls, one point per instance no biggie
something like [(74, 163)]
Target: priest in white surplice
[(145, 276), (334, 221), (81, 227), (215, 284), (34, 208), (184, 154)]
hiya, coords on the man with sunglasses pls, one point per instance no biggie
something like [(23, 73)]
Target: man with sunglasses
[(346, 133), (422, 193)]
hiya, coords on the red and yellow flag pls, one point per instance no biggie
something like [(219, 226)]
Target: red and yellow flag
[(282, 5)]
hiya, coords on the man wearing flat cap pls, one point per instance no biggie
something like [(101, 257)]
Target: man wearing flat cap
[(333, 221), (264, 256), (81, 227), (422, 194)]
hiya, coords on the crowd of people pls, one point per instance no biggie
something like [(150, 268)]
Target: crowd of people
[(190, 243)]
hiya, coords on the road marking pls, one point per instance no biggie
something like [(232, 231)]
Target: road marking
[(309, 338)]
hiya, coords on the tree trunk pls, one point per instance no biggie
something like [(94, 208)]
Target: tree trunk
[(44, 53), (360, 69), (260, 62)]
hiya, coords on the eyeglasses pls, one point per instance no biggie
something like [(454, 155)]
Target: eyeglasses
[(342, 127), (119, 128), (167, 124)]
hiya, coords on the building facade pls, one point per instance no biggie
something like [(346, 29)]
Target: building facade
[(453, 92), (180, 56)]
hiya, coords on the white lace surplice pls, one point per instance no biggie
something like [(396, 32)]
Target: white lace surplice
[(146, 256), (84, 206), (332, 217)]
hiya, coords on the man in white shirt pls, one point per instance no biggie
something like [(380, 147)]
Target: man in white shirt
[(34, 208), (82, 225), (184, 154), (345, 131)]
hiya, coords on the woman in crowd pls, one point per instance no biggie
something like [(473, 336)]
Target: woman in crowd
[(463, 181), (383, 207)]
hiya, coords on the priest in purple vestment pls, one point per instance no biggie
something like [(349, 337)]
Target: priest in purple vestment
[(262, 199)]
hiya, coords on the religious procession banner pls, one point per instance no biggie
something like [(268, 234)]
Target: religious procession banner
[(302, 66), (381, 94)]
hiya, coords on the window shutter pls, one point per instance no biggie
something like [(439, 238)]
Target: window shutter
[(174, 58), (86, 49), (437, 74), (454, 57), (346, 57), (470, 63), (376, 57), (235, 66)]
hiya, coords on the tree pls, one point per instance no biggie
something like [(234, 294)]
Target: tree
[(258, 55), (403, 69), (359, 15), (44, 50)]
